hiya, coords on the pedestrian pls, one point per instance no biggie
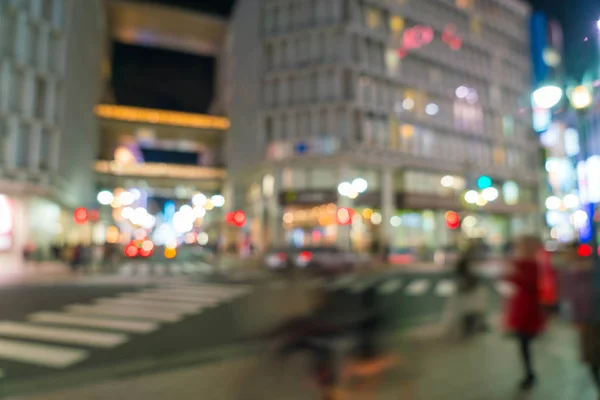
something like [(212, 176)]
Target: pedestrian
[(576, 287), (76, 257), (524, 316), (470, 294)]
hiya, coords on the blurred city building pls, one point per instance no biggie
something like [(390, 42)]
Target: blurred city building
[(154, 162), (50, 57), (427, 101)]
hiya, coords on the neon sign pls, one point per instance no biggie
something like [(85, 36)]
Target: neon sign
[(420, 36)]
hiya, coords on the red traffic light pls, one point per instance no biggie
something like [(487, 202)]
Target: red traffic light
[(585, 250), (237, 218), (81, 216), (452, 220)]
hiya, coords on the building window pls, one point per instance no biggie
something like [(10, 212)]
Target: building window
[(22, 146), (508, 125), (269, 129), (468, 117), (374, 18), (40, 98)]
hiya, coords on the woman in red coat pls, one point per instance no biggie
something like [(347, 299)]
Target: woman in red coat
[(524, 316)]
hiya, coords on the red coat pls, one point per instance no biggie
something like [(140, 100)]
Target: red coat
[(524, 314)]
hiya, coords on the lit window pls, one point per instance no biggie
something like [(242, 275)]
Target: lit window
[(373, 18), (499, 156), (396, 24), (475, 26)]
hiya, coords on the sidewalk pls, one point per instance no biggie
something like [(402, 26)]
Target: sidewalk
[(35, 272), (486, 368)]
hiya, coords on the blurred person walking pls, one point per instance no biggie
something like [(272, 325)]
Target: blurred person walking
[(576, 288), (471, 294), (524, 315)]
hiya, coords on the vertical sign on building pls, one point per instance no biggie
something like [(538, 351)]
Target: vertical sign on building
[(7, 221)]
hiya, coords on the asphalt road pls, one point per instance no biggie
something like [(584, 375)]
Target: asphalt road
[(149, 316)]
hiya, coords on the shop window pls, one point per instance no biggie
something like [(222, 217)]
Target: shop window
[(499, 156)]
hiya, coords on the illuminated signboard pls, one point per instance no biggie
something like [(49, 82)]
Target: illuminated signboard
[(7, 216)]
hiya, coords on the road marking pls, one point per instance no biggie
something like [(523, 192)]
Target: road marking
[(61, 335), (195, 300), (206, 293), (505, 289), (40, 354), (343, 281), (159, 269), (159, 305), (445, 288), (390, 286), (122, 311), (94, 322), (127, 269), (175, 269), (417, 287)]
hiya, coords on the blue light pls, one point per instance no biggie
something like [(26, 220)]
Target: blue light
[(484, 182), (301, 148), (585, 233), (169, 210)]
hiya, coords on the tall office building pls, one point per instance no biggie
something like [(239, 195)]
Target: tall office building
[(418, 97), (50, 58)]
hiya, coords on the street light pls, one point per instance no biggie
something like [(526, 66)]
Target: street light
[(546, 96), (581, 97)]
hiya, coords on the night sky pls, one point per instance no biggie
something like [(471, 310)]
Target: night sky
[(184, 82)]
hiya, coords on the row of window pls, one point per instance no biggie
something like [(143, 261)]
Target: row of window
[(40, 10), (303, 48), (26, 146), (384, 134), (319, 85), (32, 96), (31, 43), (285, 16)]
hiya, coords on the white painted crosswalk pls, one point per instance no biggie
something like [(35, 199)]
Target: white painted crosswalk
[(173, 268), (40, 354), (445, 288), (60, 339), (61, 335), (418, 287)]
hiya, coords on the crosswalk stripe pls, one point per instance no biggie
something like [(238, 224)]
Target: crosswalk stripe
[(199, 301), (175, 268), (125, 311), (154, 304), (211, 294), (159, 269), (343, 281), (61, 335), (417, 287), (94, 322), (40, 354), (445, 288), (390, 286)]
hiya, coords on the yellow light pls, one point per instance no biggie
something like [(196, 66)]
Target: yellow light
[(397, 24), (112, 234), (288, 218), (407, 130), (367, 213), (170, 253), (209, 205), (481, 201), (152, 116), (581, 97)]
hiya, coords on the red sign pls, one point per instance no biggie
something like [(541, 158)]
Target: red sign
[(81, 216), (7, 223)]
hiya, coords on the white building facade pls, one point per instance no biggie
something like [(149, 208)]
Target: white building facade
[(50, 80), (419, 98)]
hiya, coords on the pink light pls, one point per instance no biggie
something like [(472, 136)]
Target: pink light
[(417, 37)]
